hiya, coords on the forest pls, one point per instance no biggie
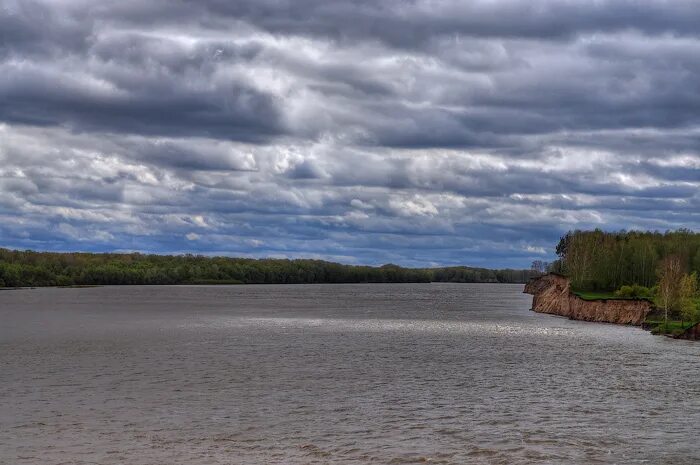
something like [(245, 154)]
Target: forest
[(605, 261), (29, 269), (662, 267)]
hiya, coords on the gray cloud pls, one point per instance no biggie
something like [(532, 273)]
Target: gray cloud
[(415, 132)]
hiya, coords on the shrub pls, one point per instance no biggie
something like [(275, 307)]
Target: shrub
[(63, 280), (624, 291), (634, 292)]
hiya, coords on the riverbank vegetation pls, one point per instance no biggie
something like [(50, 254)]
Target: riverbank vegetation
[(661, 267), (670, 327), (591, 295), (27, 268)]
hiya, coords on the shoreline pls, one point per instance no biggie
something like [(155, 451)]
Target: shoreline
[(552, 294), (87, 286)]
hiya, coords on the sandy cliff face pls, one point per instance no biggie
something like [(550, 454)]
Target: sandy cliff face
[(552, 294)]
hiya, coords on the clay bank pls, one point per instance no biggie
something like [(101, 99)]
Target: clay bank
[(552, 294)]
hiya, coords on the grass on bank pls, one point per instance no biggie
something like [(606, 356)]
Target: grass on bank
[(590, 295), (672, 327)]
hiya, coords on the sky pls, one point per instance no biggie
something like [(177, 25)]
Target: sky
[(416, 132)]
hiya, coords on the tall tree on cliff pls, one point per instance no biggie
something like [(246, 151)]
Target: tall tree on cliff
[(670, 281)]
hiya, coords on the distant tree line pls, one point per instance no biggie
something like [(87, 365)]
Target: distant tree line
[(28, 268)]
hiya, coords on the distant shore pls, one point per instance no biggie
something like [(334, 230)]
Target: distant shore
[(40, 269), (91, 286)]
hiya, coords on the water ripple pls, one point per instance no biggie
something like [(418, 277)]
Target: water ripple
[(355, 374)]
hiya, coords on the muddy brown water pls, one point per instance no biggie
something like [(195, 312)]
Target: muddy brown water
[(336, 374)]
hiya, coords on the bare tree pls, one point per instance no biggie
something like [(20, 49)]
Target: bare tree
[(539, 266)]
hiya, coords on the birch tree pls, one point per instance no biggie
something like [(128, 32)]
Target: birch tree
[(670, 277)]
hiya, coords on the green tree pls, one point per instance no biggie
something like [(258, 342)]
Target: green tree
[(670, 280), (688, 297)]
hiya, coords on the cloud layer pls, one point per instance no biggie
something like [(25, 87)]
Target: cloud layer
[(420, 133)]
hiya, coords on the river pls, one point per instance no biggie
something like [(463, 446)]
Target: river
[(334, 374)]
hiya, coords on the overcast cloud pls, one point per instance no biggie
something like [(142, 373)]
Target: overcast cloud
[(417, 132)]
